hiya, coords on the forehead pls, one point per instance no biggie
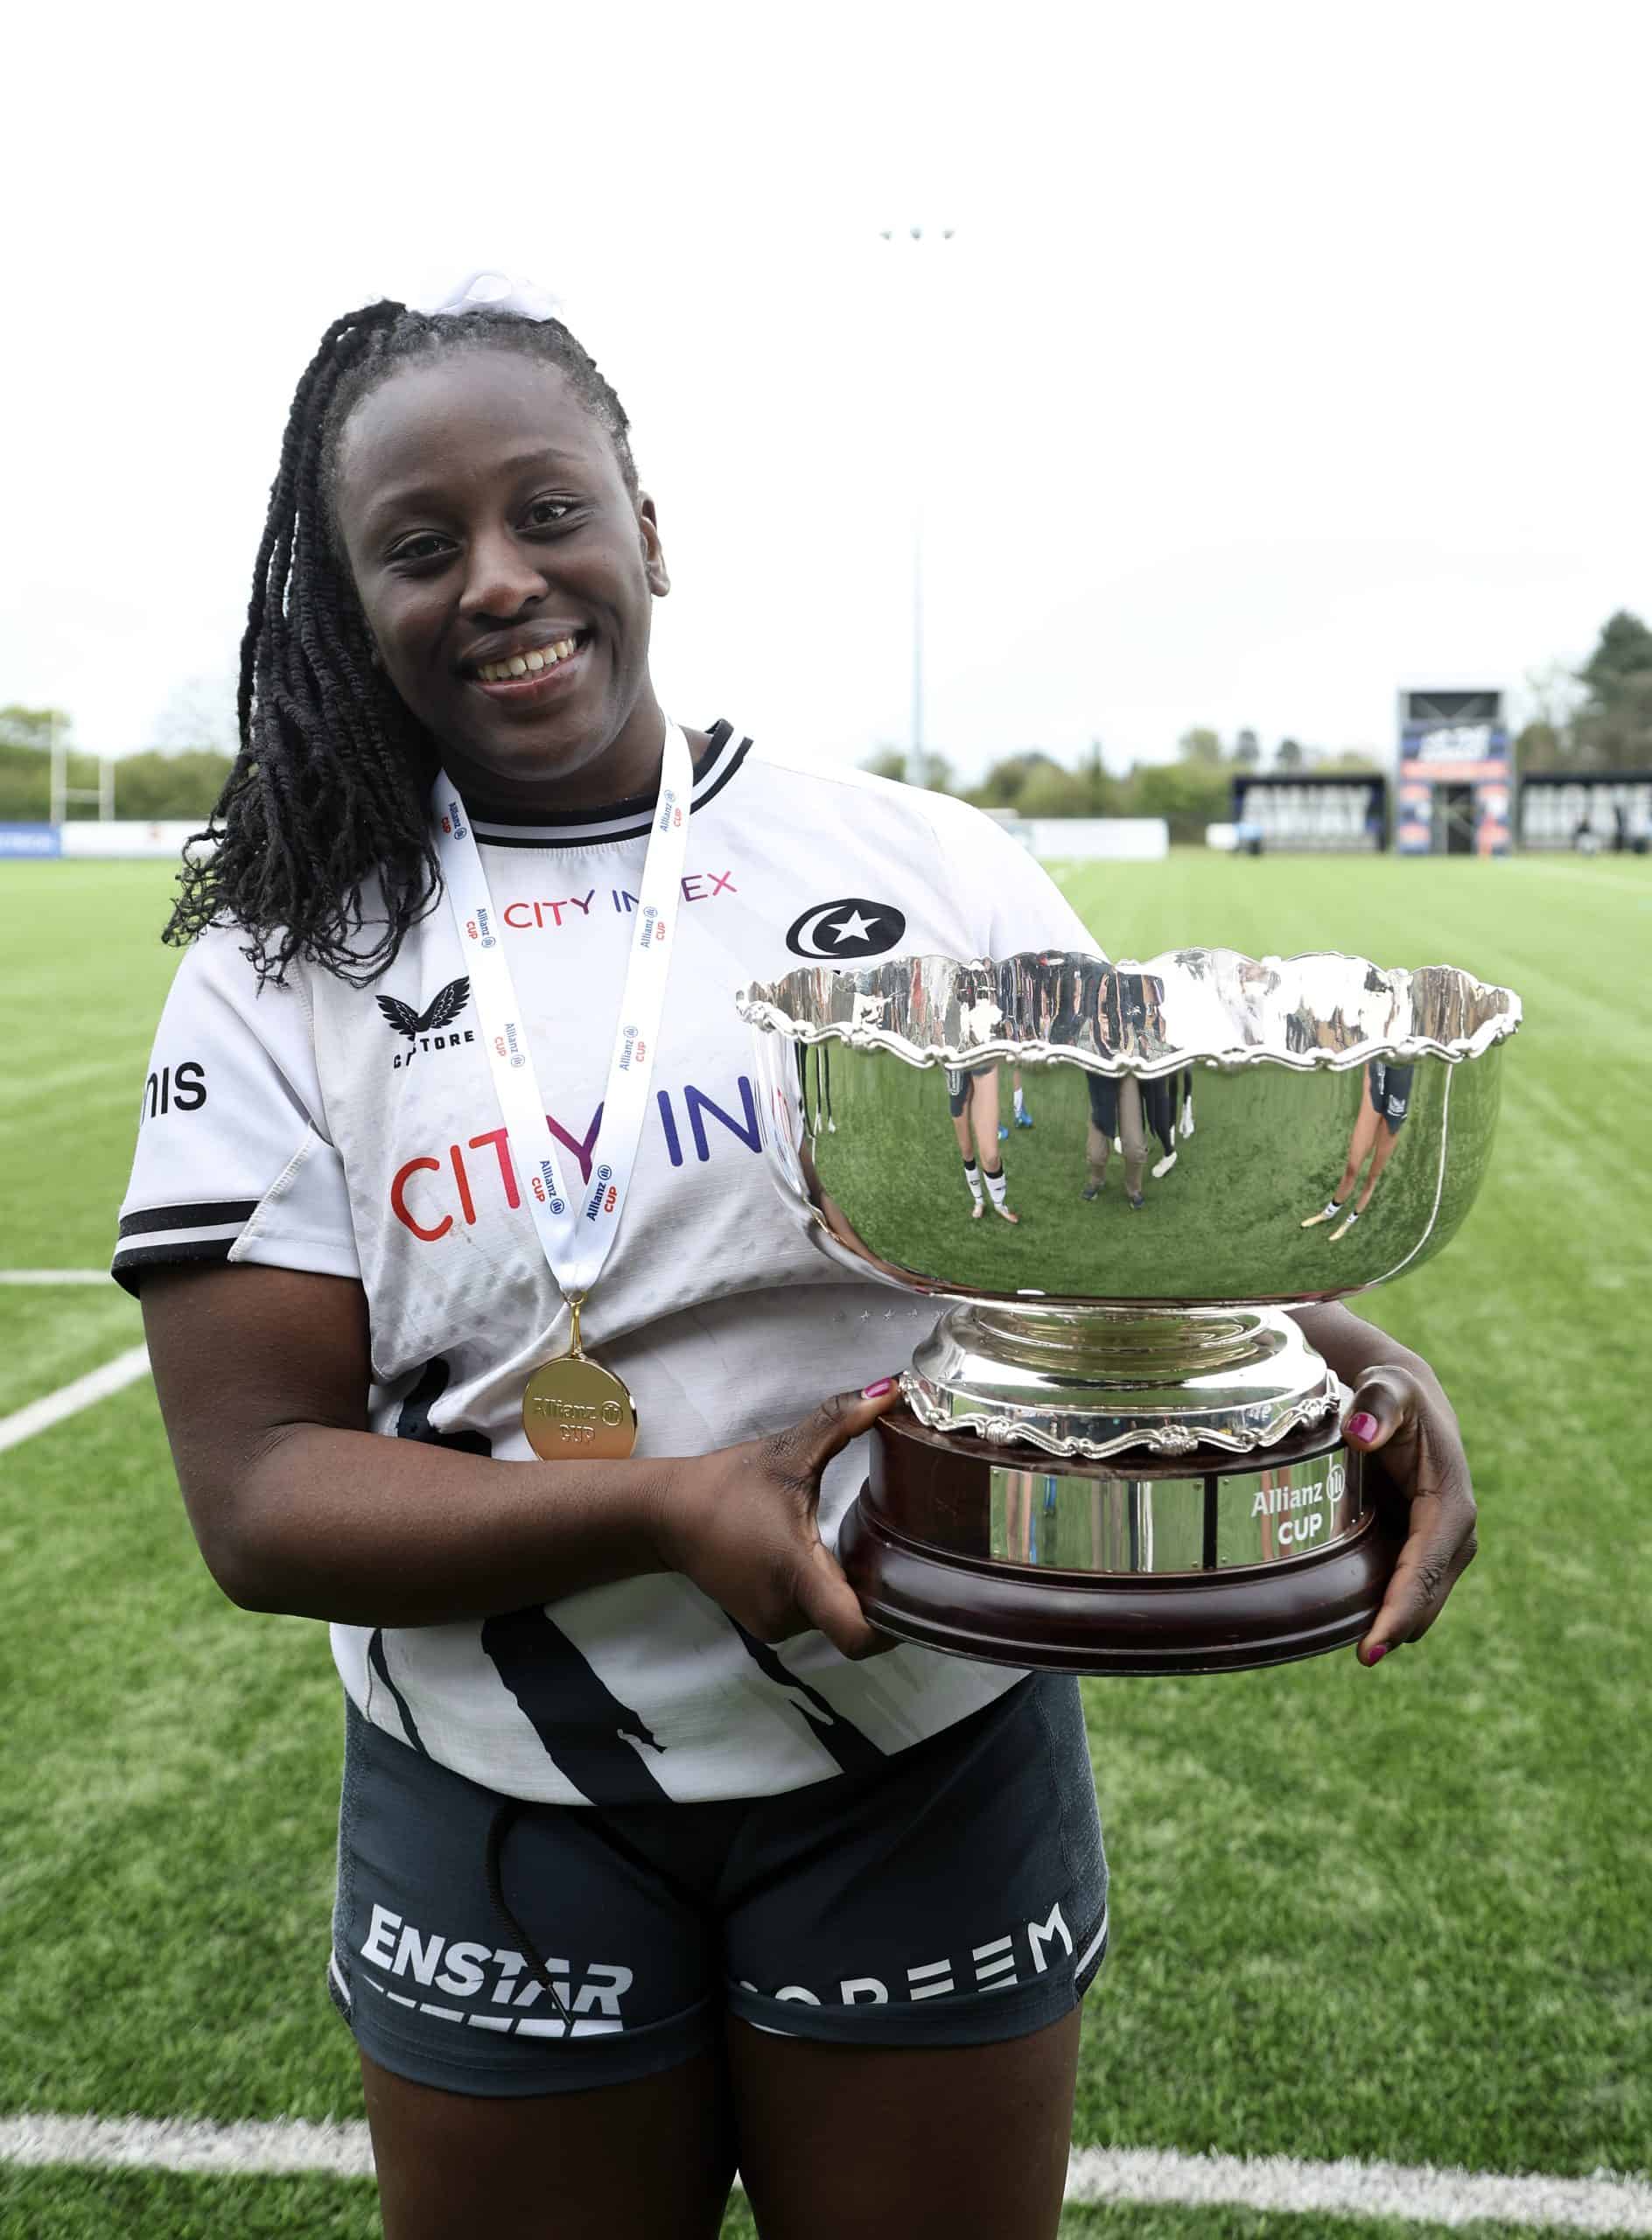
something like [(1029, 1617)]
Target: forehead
[(456, 421)]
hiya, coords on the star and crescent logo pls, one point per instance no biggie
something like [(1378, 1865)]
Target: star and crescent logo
[(845, 930)]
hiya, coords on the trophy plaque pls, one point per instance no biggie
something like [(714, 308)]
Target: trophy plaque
[(1117, 1452)]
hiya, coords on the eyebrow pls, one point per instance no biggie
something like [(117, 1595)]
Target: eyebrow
[(413, 494)]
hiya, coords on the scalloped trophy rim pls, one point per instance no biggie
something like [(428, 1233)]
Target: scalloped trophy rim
[(764, 1004)]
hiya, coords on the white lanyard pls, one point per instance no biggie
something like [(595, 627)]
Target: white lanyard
[(576, 1227)]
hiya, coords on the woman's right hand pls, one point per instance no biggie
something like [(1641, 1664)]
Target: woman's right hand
[(742, 1523)]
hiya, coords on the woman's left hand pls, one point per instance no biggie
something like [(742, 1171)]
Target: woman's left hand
[(1412, 1430), (1402, 1419)]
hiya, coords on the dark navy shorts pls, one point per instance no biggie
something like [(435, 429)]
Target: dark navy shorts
[(1391, 1091), (955, 1896)]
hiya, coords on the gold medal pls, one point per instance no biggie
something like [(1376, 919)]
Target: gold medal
[(574, 1407)]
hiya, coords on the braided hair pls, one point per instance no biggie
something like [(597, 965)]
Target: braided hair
[(331, 784)]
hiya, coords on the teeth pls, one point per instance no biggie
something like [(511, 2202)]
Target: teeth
[(527, 664)]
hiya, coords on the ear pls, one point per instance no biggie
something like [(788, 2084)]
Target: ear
[(654, 565)]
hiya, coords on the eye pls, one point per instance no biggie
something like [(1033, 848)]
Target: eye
[(549, 512), (425, 546)]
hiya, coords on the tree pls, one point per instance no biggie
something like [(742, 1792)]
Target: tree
[(1103, 790), (1552, 693), (1051, 791), (25, 764), (934, 772), (1613, 729), (1247, 750), (1291, 756), (152, 786), (1201, 746), (1541, 745), (1623, 654), (22, 727), (1006, 780), (1188, 795)]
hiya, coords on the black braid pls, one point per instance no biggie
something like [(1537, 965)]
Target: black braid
[(329, 791)]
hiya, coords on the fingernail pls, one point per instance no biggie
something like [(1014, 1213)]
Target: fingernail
[(1377, 1656), (877, 1392), (1363, 1426)]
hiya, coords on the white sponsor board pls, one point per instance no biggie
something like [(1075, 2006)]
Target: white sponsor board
[(119, 835), (1118, 839)]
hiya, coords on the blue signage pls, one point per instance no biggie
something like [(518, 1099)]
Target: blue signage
[(31, 840)]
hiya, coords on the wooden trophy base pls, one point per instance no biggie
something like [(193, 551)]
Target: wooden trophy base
[(924, 1549)]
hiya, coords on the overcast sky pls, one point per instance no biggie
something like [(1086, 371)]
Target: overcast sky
[(1284, 354)]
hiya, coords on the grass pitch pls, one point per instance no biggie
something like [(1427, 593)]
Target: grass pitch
[(1397, 1914)]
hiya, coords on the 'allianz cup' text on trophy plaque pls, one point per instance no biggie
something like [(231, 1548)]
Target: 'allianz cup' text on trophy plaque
[(1116, 1452)]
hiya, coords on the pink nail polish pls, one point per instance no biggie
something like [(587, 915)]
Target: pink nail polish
[(1363, 1426), (877, 1392), (1377, 1654)]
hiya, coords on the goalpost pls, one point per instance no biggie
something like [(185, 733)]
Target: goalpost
[(63, 792)]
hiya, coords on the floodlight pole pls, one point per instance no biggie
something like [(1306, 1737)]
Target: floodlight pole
[(916, 759)]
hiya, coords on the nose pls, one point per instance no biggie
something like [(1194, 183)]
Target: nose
[(501, 578)]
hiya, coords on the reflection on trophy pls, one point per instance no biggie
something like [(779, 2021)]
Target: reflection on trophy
[(1116, 1452)]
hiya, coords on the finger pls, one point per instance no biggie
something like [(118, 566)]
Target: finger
[(830, 1605), (1405, 1418), (810, 1444), (1438, 1550), (1386, 1415)]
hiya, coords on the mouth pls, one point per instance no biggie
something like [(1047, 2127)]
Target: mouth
[(532, 675)]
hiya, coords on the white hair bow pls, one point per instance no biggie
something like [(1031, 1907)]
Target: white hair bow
[(495, 291)]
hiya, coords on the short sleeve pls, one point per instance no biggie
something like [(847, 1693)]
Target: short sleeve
[(1023, 906), (233, 1160)]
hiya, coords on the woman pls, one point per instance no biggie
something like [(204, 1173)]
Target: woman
[(1385, 1096), (644, 1868)]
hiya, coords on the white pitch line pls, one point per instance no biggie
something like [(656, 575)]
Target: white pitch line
[(69, 1399), (221, 2150), (1374, 2189), (1419, 2194), (55, 1276)]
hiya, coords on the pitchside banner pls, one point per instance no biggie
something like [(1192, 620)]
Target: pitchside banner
[(1345, 814), (1603, 809), (29, 840)]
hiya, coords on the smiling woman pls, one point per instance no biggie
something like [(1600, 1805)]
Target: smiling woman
[(352, 665), (654, 1858)]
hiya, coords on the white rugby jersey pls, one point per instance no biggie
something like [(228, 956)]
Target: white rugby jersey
[(355, 1132)]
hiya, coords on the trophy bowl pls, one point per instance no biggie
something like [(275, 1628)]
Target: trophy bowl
[(1117, 1452)]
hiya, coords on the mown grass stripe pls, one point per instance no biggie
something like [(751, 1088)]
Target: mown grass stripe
[(69, 1399), (1095, 2175)]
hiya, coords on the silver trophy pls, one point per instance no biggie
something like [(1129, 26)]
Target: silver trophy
[(1116, 1452)]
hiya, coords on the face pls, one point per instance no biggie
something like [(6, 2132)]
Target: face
[(485, 522)]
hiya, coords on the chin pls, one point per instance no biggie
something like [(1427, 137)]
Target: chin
[(529, 759)]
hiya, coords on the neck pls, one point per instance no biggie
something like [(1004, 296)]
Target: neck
[(626, 769)]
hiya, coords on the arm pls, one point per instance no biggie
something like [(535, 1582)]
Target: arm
[(1402, 1417), (264, 1374)]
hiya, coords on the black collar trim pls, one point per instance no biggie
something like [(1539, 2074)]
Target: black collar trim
[(628, 820)]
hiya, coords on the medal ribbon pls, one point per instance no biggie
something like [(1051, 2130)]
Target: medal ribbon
[(576, 1226)]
